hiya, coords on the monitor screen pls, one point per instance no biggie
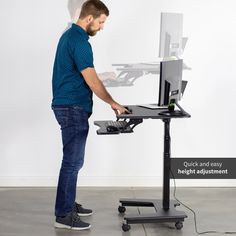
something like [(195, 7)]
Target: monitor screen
[(171, 35), (170, 85)]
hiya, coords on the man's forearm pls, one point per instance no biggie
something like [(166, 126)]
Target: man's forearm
[(96, 85), (99, 89)]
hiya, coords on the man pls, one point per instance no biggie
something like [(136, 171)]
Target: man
[(74, 81)]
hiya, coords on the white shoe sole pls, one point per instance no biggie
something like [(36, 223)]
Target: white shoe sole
[(61, 226), (88, 214)]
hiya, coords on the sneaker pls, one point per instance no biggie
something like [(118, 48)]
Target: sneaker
[(71, 221), (82, 211)]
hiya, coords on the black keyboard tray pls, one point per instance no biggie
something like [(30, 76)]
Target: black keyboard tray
[(129, 129)]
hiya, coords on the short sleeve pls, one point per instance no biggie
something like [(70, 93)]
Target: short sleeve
[(83, 55)]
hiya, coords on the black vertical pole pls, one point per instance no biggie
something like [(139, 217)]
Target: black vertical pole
[(166, 174)]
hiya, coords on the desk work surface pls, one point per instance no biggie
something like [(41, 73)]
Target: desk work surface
[(139, 112), (136, 117)]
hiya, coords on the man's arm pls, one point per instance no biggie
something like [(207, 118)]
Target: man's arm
[(98, 88)]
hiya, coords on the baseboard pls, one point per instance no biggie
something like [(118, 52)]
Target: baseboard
[(112, 181)]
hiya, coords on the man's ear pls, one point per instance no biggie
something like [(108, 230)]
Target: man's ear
[(89, 18)]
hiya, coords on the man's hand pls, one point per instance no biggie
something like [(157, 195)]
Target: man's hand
[(118, 108)]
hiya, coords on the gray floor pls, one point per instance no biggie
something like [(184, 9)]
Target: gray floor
[(29, 211)]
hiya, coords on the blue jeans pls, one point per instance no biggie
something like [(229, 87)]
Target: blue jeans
[(73, 121)]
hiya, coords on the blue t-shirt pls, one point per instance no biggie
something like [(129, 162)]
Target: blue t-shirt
[(74, 54)]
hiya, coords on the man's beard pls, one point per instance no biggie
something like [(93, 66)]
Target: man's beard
[(90, 31)]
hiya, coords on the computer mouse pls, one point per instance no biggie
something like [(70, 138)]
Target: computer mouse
[(171, 113), (111, 128), (129, 110), (164, 113)]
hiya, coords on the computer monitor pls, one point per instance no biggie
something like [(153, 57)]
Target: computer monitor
[(171, 35), (170, 85)]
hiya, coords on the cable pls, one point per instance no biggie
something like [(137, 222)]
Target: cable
[(194, 214)]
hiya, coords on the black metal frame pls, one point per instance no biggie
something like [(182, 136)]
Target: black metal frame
[(165, 209)]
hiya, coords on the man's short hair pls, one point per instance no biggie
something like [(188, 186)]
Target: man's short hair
[(94, 8)]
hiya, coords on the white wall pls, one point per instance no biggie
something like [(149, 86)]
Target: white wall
[(30, 143)]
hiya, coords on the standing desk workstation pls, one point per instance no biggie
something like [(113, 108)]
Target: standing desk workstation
[(165, 208)]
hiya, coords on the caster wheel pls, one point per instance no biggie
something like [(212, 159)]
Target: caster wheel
[(179, 225), (126, 227), (121, 209)]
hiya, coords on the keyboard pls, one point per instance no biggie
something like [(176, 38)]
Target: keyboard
[(121, 125)]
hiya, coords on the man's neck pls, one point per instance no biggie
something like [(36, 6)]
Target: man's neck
[(81, 24)]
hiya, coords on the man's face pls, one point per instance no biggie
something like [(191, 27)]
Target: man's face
[(96, 25)]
